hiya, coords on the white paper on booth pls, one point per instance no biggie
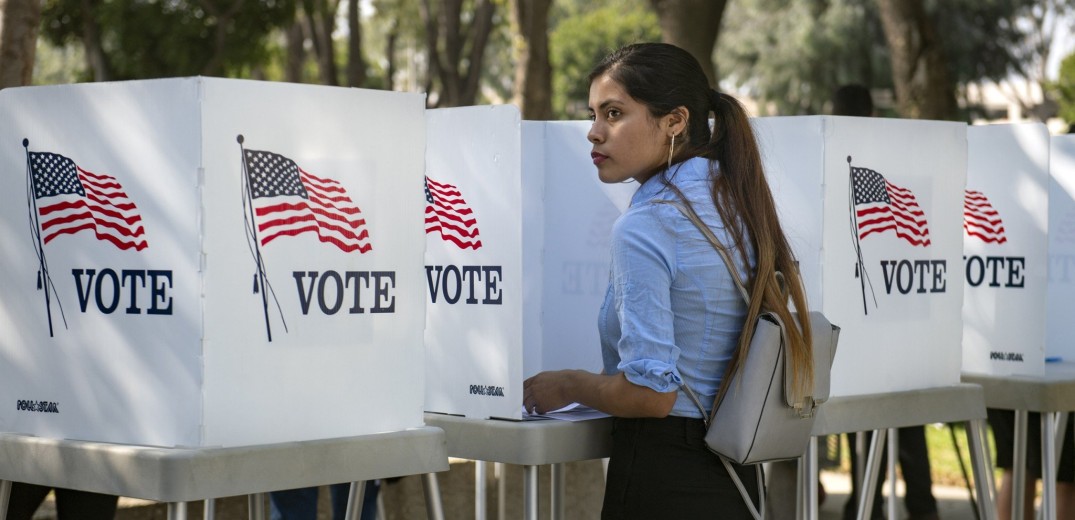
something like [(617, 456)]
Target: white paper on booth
[(1060, 327), (1006, 213), (893, 245), (324, 339), (107, 346), (474, 275)]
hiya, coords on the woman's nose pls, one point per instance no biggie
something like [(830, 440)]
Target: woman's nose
[(594, 135)]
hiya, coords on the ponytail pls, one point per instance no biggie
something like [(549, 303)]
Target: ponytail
[(741, 194)]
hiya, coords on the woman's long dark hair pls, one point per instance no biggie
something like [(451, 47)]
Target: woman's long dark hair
[(664, 78)]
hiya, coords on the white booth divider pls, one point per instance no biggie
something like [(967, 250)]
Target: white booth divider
[(1060, 327), (1005, 249), (873, 209), (207, 262), (516, 256)]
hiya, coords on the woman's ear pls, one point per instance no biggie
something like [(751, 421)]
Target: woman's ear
[(675, 122)]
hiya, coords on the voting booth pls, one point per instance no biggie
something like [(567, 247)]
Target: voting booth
[(516, 256), (1060, 327), (1005, 249), (873, 210), (207, 262)]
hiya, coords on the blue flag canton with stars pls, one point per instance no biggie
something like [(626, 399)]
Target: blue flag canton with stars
[(273, 175), (429, 195), (869, 186), (53, 175)]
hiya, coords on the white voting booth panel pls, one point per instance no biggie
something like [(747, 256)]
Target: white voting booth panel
[(879, 240), (1060, 327), (1005, 256), (516, 256), (165, 284)]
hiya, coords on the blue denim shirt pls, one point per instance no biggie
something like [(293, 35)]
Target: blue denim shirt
[(672, 314)]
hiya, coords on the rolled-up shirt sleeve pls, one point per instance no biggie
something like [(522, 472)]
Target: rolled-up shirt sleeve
[(643, 267)]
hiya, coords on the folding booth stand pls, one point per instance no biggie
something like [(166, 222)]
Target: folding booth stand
[(1035, 372), (517, 249), (883, 413), (180, 475), (872, 209), (529, 444), (214, 286)]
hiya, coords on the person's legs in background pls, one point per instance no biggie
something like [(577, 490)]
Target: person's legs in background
[(294, 504), (914, 465), (70, 504)]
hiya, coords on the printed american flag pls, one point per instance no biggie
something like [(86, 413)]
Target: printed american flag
[(448, 213), (289, 201), (880, 206), (71, 199), (980, 219)]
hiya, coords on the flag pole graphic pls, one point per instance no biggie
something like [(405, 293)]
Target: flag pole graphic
[(43, 279), (860, 266), (260, 277)]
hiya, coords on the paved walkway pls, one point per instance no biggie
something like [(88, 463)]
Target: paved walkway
[(953, 503)]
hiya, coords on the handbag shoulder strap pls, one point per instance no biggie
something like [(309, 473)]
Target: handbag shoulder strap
[(713, 241)]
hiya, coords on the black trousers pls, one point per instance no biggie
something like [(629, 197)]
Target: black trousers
[(70, 504), (661, 468), (1003, 424)]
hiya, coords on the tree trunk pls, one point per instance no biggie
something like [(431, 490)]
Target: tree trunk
[(924, 87), (390, 55), (215, 65), (479, 30), (296, 52), (429, 17), (19, 21), (446, 39), (533, 73), (356, 63), (692, 25), (322, 16), (96, 60)]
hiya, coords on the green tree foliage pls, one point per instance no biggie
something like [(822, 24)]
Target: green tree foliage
[(792, 54), (164, 38), (582, 35), (1064, 89)]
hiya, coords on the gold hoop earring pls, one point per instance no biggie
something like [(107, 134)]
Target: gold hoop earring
[(670, 148)]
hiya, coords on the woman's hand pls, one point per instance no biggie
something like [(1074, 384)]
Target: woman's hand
[(612, 394), (548, 391)]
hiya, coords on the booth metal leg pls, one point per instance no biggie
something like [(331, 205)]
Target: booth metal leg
[(893, 455), (480, 467), (871, 470), (530, 492), (982, 467), (1048, 466), (177, 511), (1019, 464), (256, 506), (209, 511), (808, 474), (1061, 431), (434, 507), (558, 507), (355, 496), (501, 490), (5, 497)]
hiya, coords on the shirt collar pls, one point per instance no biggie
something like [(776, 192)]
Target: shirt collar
[(692, 170)]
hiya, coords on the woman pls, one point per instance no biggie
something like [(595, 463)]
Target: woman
[(672, 315)]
